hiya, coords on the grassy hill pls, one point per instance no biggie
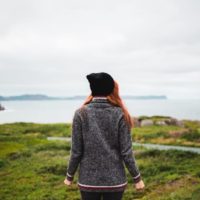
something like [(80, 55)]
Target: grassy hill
[(32, 167)]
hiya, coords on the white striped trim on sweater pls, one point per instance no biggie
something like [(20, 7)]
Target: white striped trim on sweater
[(69, 175), (100, 186), (136, 176)]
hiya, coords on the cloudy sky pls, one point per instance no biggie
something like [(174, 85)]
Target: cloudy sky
[(149, 47)]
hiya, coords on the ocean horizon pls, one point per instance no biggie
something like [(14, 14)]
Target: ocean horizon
[(58, 111)]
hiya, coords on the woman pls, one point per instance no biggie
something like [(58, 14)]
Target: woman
[(102, 143)]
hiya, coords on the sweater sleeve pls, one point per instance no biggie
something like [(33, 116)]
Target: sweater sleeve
[(76, 147), (125, 143)]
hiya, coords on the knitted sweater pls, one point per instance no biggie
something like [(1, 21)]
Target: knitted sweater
[(101, 145)]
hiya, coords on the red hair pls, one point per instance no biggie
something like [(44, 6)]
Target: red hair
[(116, 100)]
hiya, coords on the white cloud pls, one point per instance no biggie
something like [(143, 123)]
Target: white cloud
[(148, 46)]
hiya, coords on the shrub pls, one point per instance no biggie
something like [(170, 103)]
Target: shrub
[(193, 135)]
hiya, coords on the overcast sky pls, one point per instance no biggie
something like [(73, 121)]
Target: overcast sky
[(149, 47)]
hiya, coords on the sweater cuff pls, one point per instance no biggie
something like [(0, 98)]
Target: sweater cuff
[(69, 177), (137, 178)]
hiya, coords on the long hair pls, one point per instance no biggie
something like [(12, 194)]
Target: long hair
[(116, 100)]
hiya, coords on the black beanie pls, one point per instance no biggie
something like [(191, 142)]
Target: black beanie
[(101, 84)]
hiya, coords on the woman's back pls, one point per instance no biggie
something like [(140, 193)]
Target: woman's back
[(101, 141)]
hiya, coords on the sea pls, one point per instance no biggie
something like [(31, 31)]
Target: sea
[(59, 111)]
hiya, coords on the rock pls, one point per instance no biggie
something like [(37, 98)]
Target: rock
[(136, 122), (139, 122), (176, 122), (146, 122), (1, 107), (168, 121), (180, 123), (161, 123)]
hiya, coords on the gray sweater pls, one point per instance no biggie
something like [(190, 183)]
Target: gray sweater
[(101, 144)]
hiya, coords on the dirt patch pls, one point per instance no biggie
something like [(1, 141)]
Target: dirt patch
[(178, 133)]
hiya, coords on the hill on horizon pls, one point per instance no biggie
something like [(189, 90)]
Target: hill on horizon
[(46, 97)]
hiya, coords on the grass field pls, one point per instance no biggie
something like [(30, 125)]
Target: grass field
[(189, 135), (31, 167)]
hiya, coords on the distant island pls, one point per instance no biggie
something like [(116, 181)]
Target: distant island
[(27, 97)]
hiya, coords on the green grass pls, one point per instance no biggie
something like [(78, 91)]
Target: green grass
[(42, 130), (32, 167), (152, 134), (189, 135)]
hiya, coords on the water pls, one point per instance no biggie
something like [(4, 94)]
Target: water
[(167, 147), (146, 145), (48, 111), (67, 139)]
